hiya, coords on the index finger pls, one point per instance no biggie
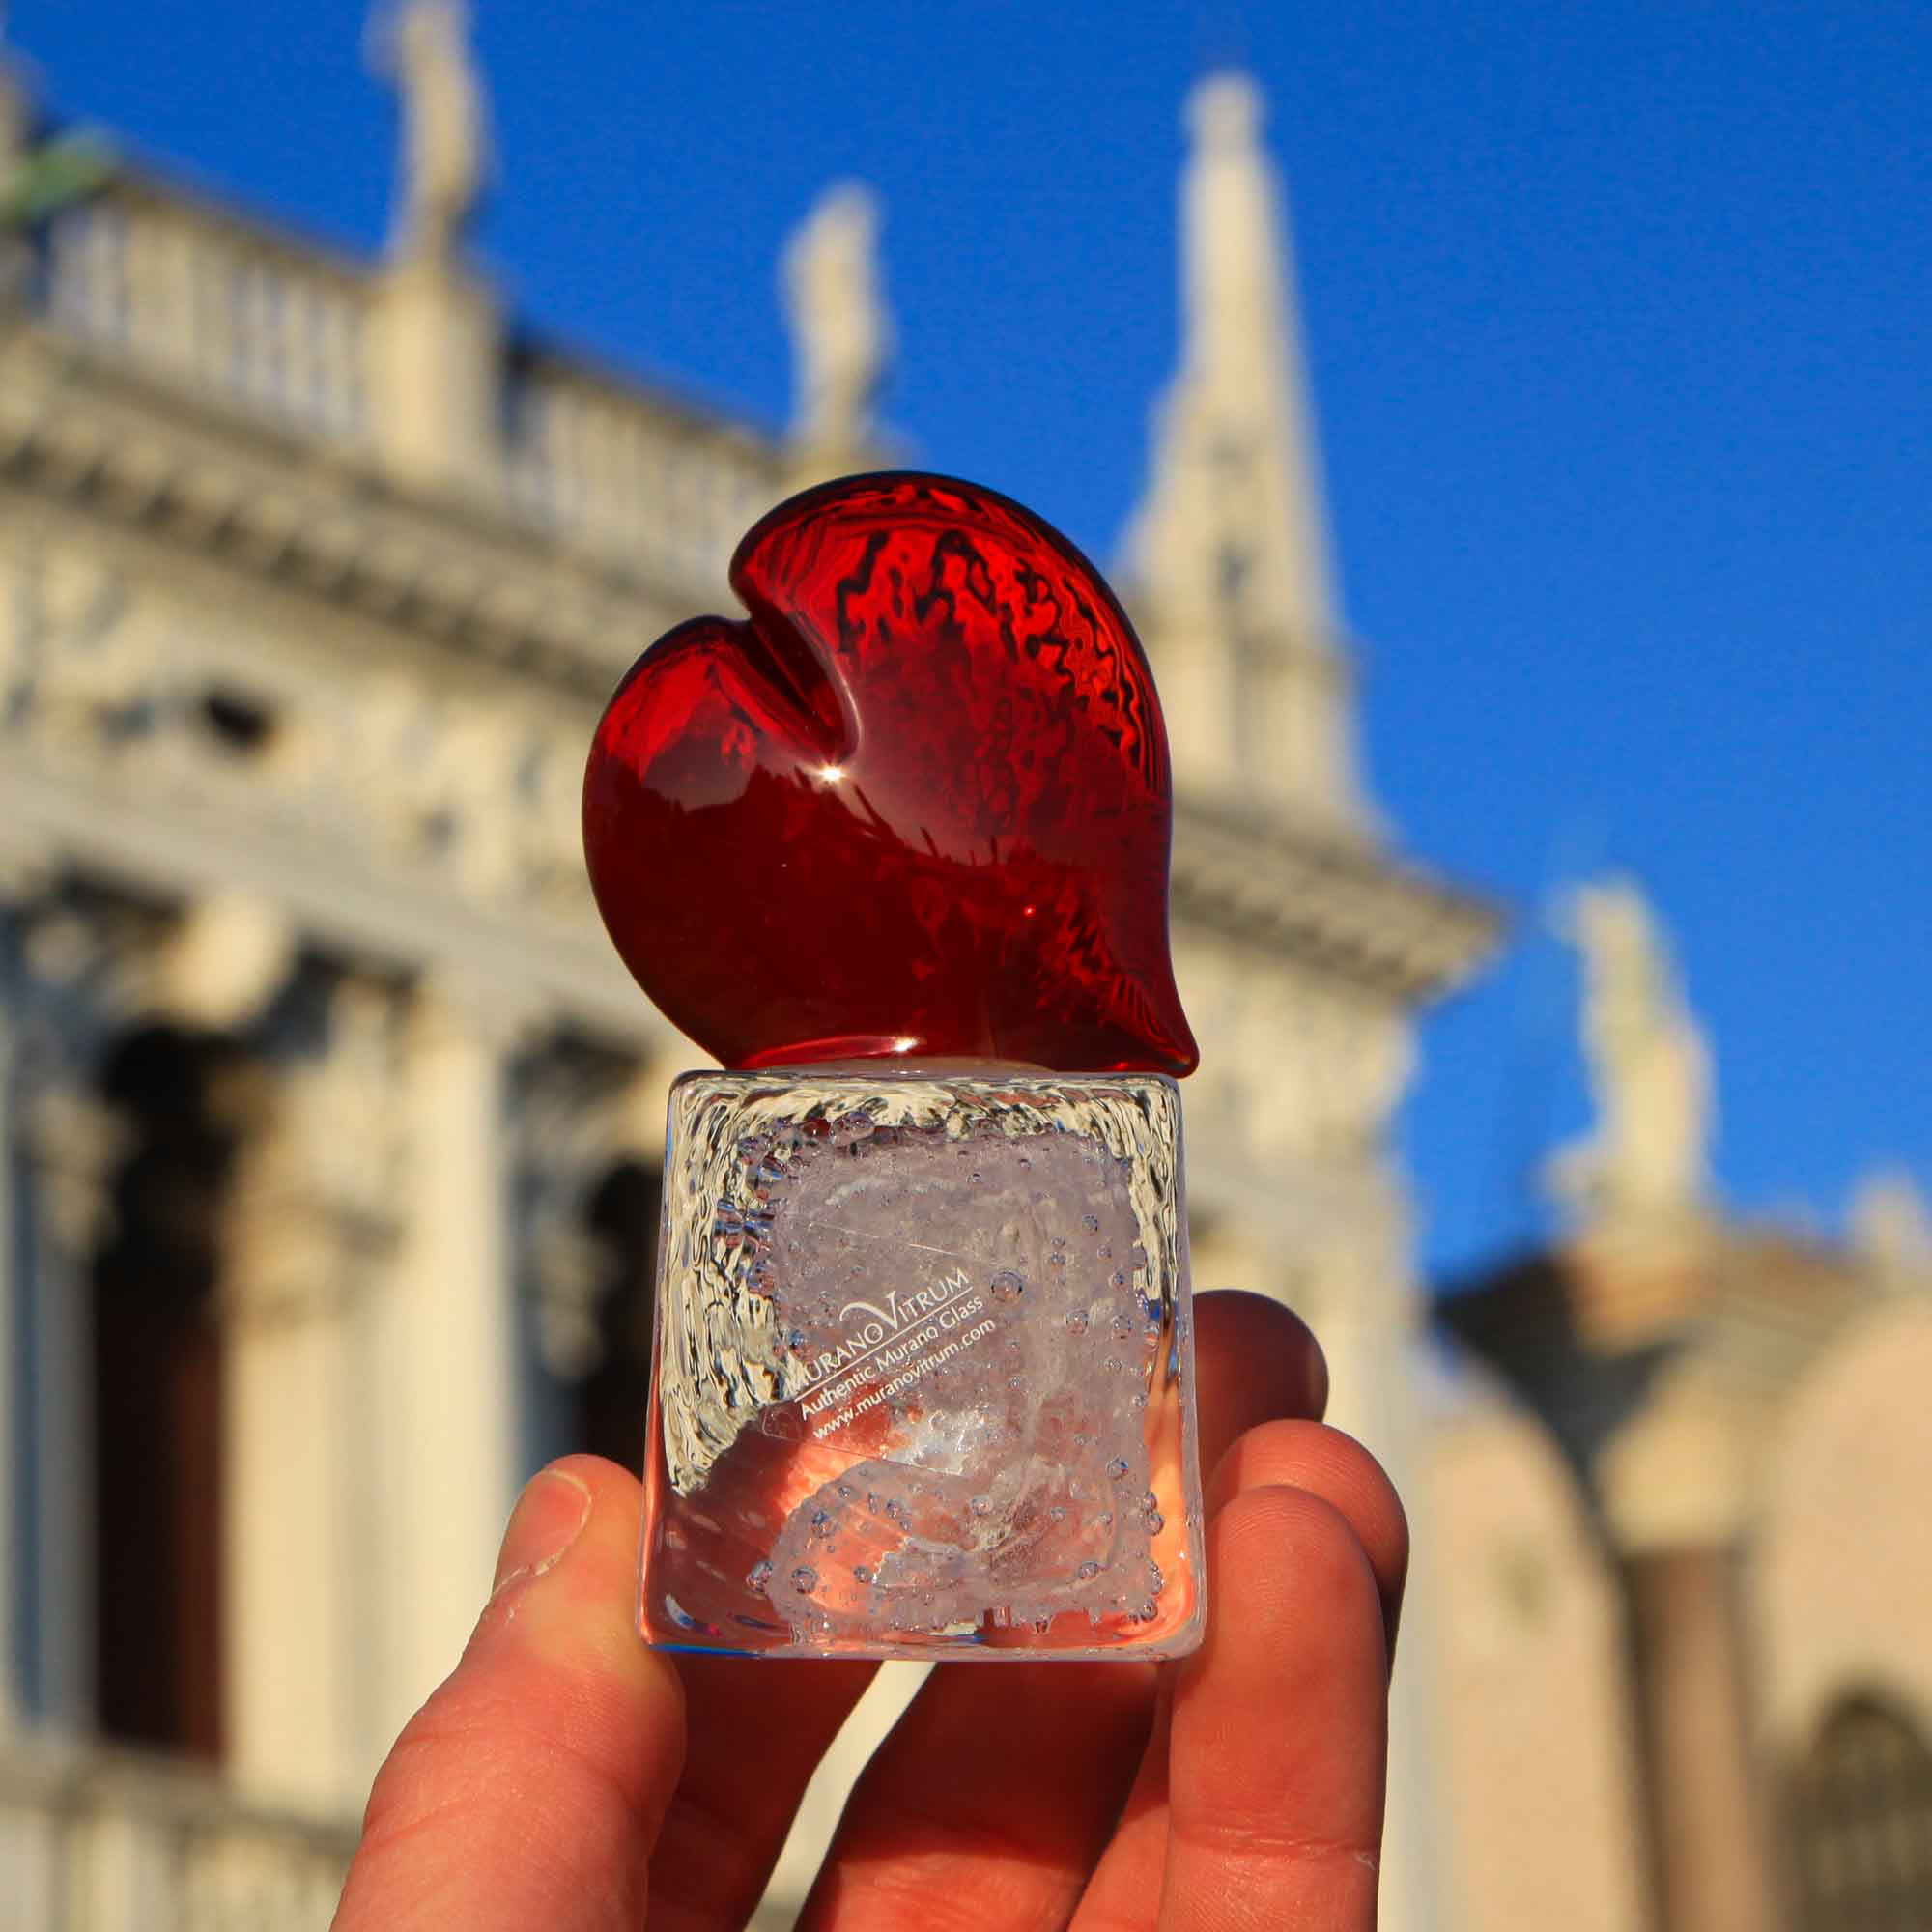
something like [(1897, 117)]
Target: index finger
[(529, 1789)]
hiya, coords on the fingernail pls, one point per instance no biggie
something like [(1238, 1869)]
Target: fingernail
[(549, 1515)]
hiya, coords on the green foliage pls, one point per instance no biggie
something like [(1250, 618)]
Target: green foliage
[(57, 172)]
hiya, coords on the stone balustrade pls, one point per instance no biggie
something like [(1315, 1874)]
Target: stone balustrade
[(616, 470), (200, 298), (246, 320), (117, 1841)]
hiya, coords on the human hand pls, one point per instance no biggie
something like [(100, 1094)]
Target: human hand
[(568, 1778)]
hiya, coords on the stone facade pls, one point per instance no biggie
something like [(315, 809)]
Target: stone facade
[(1734, 1417)]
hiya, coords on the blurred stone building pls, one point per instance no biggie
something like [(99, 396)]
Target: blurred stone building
[(330, 1122), (1685, 1565)]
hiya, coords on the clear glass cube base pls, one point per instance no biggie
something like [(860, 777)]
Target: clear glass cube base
[(925, 1373)]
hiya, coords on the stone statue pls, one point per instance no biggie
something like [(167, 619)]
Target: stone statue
[(842, 331), (1649, 1066), (1892, 1229), (424, 46)]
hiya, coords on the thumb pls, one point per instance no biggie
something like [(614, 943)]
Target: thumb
[(529, 1789)]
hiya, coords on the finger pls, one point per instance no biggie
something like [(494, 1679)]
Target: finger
[(1336, 1467), (723, 1832), (1038, 1757), (1279, 1751), (1124, 1888), (955, 1828), (1254, 1361), (1323, 1463), (528, 1790)]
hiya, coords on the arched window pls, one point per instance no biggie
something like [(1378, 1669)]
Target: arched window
[(1861, 1824)]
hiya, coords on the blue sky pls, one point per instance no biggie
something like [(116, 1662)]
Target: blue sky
[(1617, 316)]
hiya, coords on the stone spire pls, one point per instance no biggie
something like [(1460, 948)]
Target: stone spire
[(1228, 552), (841, 330)]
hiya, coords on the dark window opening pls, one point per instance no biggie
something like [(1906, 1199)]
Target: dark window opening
[(159, 1394), (242, 724)]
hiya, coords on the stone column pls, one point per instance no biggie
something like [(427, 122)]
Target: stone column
[(1371, 1328), (74, 1143), (309, 1232), (72, 967), (1337, 1066), (286, 1417), (442, 1373), (57, 1146), (1710, 1861), (436, 380), (1674, 1482)]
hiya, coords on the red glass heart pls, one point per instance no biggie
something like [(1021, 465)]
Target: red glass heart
[(918, 804)]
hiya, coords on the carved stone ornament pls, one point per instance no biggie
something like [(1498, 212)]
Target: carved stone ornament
[(228, 956), (316, 1204), (74, 1142), (99, 679)]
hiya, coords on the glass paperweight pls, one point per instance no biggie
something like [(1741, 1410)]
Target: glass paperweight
[(895, 850), (923, 1374)]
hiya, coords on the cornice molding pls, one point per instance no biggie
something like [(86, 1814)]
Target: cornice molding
[(86, 430), (404, 918), (1339, 905)]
